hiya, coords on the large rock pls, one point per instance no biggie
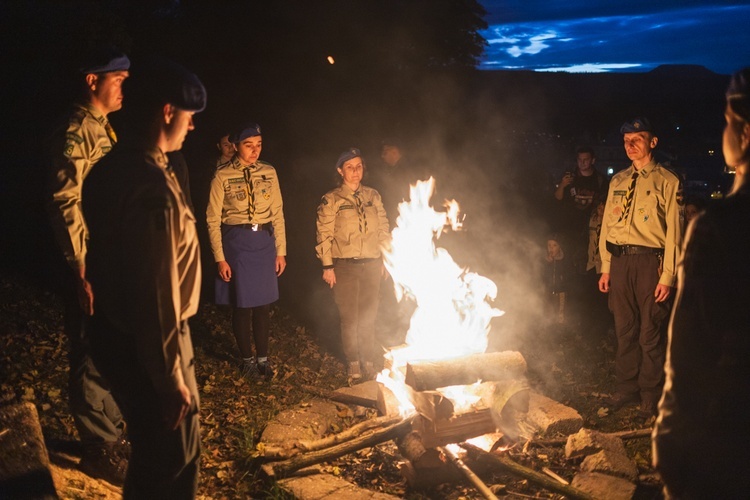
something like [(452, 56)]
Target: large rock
[(609, 462), (604, 486), (551, 417), (306, 423), (327, 487), (587, 442), (24, 463)]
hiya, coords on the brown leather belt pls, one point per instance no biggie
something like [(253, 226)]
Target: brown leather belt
[(356, 260), (620, 250)]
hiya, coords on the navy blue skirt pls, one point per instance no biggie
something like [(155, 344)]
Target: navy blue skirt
[(252, 257)]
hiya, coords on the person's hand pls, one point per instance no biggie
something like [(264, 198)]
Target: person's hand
[(567, 180), (662, 292), (329, 276), (175, 405), (85, 293), (604, 283), (225, 272), (280, 264)]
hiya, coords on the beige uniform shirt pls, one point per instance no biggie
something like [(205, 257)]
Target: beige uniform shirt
[(654, 219), (86, 141), (144, 260), (350, 228), (245, 194)]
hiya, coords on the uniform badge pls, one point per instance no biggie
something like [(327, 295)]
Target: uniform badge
[(266, 194), (68, 149), (241, 195)]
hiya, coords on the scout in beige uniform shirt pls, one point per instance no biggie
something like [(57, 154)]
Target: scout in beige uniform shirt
[(654, 220), (77, 147), (339, 225), (352, 225), (144, 265), (87, 139), (639, 244), (230, 201)]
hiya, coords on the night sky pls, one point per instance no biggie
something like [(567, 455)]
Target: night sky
[(608, 36)]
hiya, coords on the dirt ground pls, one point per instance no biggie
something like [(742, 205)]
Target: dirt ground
[(565, 364)]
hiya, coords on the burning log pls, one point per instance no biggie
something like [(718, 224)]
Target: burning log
[(285, 468), (468, 473), (430, 375), (533, 476)]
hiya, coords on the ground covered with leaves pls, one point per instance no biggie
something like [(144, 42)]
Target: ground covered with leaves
[(572, 368)]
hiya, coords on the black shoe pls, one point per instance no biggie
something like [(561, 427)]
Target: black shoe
[(104, 462), (265, 369), (249, 371), (620, 399)]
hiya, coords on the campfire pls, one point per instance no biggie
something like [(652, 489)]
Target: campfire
[(440, 388)]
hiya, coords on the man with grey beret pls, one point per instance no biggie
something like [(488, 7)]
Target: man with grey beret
[(144, 265), (86, 138)]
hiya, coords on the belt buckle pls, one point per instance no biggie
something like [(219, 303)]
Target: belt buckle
[(255, 227)]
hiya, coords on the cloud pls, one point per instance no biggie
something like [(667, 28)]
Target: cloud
[(715, 37)]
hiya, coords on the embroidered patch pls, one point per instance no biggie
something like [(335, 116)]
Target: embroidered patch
[(236, 180), (241, 195), (69, 149), (266, 194), (619, 193), (74, 137)]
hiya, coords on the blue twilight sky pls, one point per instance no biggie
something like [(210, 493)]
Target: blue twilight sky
[(611, 35)]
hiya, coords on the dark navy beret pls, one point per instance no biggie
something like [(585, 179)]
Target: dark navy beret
[(249, 130), (347, 155), (106, 61), (176, 85), (640, 124)]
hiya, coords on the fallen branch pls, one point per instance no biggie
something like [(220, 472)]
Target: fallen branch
[(468, 473), (340, 397), (639, 433), (533, 476), (347, 434), (287, 467)]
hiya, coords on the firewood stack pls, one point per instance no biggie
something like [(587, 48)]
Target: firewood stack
[(500, 380)]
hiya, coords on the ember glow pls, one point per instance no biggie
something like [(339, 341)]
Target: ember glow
[(453, 306)]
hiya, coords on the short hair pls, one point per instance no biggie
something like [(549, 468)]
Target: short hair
[(585, 149)]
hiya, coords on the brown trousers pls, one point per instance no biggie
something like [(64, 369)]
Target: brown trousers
[(640, 324), (356, 293)]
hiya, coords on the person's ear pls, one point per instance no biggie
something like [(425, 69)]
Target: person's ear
[(234, 146), (91, 80), (168, 112), (654, 142)]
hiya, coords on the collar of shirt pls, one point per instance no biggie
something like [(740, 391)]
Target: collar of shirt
[(95, 113), (157, 157), (238, 165), (646, 170), (347, 191)]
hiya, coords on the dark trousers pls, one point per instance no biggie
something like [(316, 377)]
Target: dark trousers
[(356, 293), (95, 413), (164, 464), (640, 324)]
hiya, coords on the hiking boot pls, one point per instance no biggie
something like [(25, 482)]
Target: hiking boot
[(266, 370), (104, 462), (249, 371), (620, 399), (353, 370)]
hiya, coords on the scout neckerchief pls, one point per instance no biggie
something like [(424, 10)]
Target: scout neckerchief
[(360, 212), (628, 198), (251, 195)]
